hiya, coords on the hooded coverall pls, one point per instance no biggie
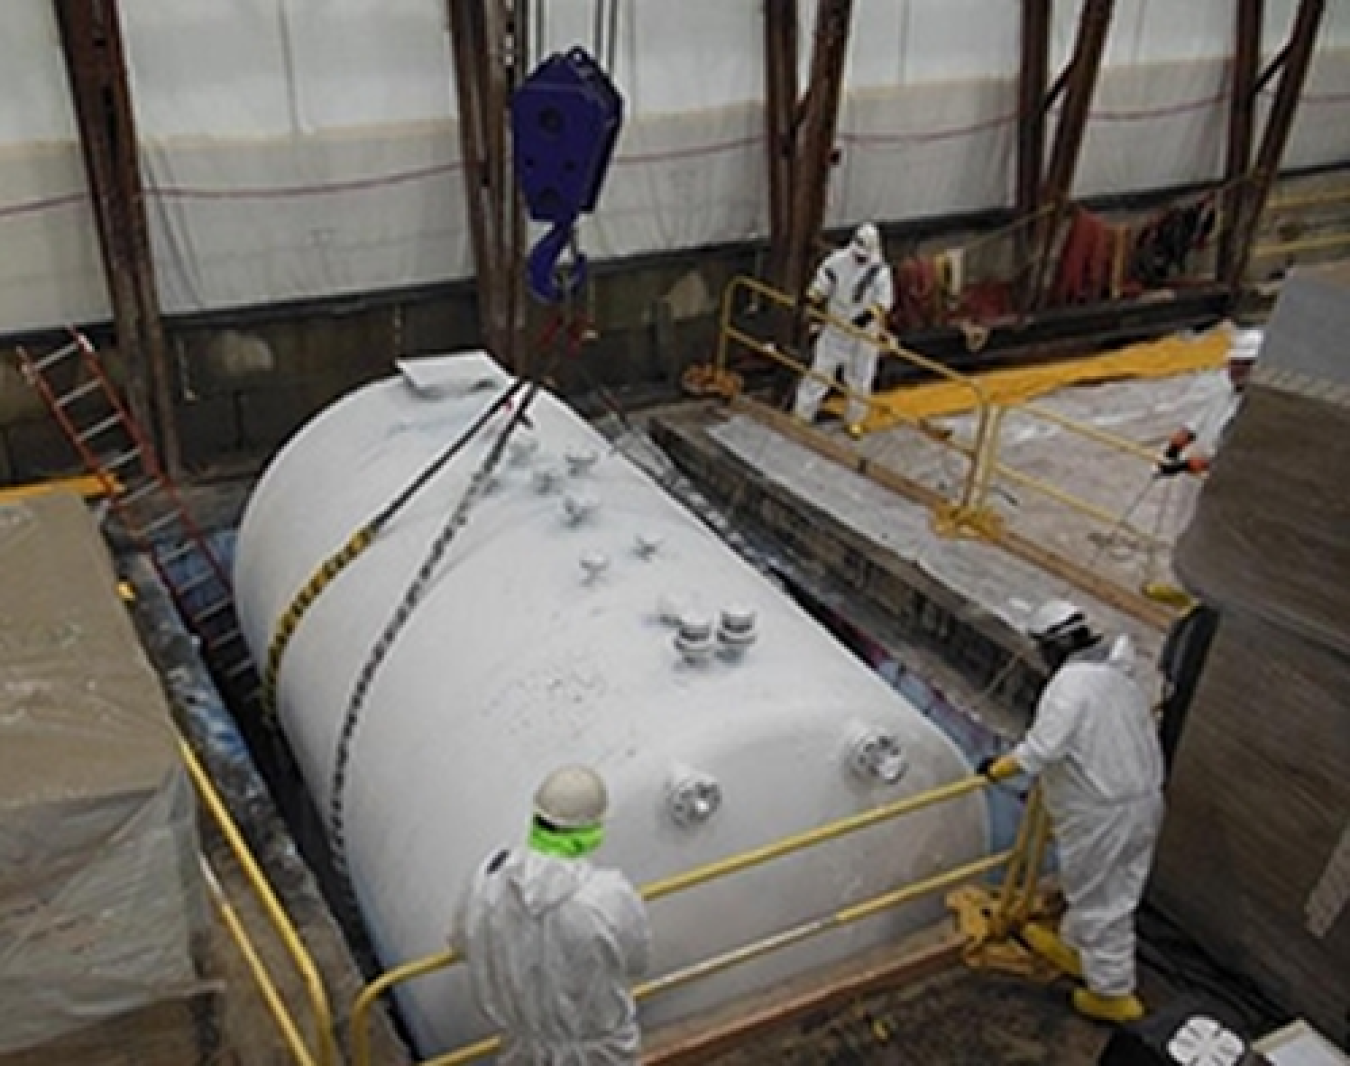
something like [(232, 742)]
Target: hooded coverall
[(851, 288), (1095, 748), (553, 946)]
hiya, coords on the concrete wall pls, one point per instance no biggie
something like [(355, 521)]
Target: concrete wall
[(242, 384)]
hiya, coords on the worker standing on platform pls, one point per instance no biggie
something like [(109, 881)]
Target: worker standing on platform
[(1095, 748), (1193, 447), (553, 943), (855, 286)]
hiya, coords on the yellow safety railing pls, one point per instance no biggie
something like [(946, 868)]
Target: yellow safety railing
[(370, 995), (323, 1050), (995, 466), (971, 510), (964, 508)]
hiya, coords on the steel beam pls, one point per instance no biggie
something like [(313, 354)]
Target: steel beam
[(780, 97), (1292, 63), (482, 36), (1079, 83), (1241, 123), (1032, 82), (95, 61), (818, 115)]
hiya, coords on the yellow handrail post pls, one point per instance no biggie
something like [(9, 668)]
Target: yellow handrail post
[(267, 988), (1023, 874), (276, 913), (1040, 837), (1012, 876), (370, 995), (986, 459)]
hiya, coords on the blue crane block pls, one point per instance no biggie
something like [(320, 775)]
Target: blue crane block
[(565, 120)]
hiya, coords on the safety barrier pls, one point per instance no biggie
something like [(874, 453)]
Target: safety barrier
[(1117, 520), (968, 510), (322, 1051), (370, 995), (961, 509)]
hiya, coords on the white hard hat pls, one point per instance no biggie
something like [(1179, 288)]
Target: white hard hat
[(1055, 618), (1246, 346), (572, 797), (866, 238)]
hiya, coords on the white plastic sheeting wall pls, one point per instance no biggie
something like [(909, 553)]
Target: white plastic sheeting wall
[(306, 148)]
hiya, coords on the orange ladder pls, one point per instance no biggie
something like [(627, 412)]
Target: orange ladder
[(150, 509)]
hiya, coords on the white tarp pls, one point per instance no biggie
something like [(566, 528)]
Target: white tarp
[(295, 149), (50, 269)]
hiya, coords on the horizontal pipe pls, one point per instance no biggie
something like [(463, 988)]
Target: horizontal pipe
[(757, 857)]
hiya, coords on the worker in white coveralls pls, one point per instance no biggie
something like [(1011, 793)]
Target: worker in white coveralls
[(1193, 447), (1095, 748), (854, 284), (553, 943)]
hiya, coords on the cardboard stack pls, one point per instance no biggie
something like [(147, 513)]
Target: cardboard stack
[(1255, 855), (100, 893)]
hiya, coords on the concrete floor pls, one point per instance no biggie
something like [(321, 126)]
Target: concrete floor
[(957, 1018)]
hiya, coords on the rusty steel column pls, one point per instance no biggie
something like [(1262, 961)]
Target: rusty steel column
[(780, 107), (503, 74), (1032, 81), (1079, 83), (814, 145), (1241, 124), (1292, 65), (481, 39), (95, 61)]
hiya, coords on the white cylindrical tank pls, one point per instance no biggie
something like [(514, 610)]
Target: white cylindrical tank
[(580, 616)]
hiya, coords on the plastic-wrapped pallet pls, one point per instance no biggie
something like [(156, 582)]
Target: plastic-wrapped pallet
[(100, 892), (1255, 856)]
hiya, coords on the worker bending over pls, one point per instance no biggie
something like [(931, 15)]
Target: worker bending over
[(1095, 748), (553, 943), (1192, 447), (855, 286)]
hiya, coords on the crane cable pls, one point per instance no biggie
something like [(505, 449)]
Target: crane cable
[(605, 31), (289, 621)]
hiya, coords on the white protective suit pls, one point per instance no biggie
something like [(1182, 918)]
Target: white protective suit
[(553, 946), (849, 288), (1094, 745)]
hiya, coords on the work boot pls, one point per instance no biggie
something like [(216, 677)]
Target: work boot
[(1048, 945), (1115, 1009)]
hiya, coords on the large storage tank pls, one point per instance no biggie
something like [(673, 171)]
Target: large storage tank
[(546, 637)]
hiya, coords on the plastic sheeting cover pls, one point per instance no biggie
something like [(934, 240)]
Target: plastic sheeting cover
[(99, 889), (307, 148), (1272, 557)]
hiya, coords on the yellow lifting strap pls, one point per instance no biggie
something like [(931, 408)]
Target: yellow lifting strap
[(289, 621)]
